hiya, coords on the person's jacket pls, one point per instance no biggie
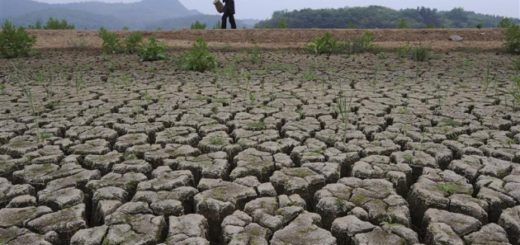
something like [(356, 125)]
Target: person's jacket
[(229, 8)]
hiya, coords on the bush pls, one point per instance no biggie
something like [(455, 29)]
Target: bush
[(479, 26), (360, 44), (152, 50), (198, 59), (217, 25), (133, 42), (15, 42), (198, 26), (37, 26), (327, 44), (512, 39), (111, 43), (53, 24), (420, 53)]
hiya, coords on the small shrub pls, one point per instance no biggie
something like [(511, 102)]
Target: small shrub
[(512, 39), (111, 43), (420, 53), (256, 55), (53, 24), (351, 25), (152, 50), (133, 42), (430, 25), (361, 43), (15, 42), (480, 26), (198, 26), (403, 51), (505, 23), (37, 26), (198, 59), (327, 44)]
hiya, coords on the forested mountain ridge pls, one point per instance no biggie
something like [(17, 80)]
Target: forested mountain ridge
[(379, 17)]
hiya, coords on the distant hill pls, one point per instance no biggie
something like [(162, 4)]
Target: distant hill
[(380, 17), (93, 15)]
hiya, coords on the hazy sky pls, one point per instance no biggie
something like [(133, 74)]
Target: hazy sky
[(262, 9)]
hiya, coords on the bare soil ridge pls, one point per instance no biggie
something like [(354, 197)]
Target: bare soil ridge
[(272, 39)]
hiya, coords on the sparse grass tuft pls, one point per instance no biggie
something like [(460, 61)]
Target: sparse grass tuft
[(420, 53), (216, 141), (515, 93)]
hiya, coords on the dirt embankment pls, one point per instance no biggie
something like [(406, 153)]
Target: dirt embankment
[(437, 39)]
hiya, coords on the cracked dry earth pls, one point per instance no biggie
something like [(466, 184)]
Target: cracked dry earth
[(149, 154)]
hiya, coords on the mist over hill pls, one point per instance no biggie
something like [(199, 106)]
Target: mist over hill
[(93, 15)]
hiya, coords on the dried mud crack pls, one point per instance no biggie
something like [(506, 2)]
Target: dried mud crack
[(144, 153)]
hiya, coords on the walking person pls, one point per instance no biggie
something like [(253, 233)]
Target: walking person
[(229, 12)]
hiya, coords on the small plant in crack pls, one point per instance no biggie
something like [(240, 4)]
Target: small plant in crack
[(22, 80), (216, 141), (148, 98), (450, 122), (515, 92), (408, 159), (487, 79), (46, 80), (314, 152), (79, 82), (447, 188), (404, 111), (256, 125), (2, 89), (375, 78), (252, 98), (343, 109)]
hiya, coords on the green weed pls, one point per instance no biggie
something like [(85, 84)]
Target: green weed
[(133, 42), (512, 39), (420, 53), (198, 59), (198, 26), (152, 50)]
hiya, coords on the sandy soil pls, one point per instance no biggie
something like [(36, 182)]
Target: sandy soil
[(437, 39)]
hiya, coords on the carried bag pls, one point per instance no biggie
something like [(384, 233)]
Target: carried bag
[(219, 5)]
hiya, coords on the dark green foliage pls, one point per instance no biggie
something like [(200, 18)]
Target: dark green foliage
[(54, 24), (517, 64), (283, 24), (350, 25), (512, 39), (479, 26), (505, 23), (420, 53), (403, 24), (327, 44), (37, 26), (15, 42), (198, 59), (198, 26), (133, 42), (380, 17), (430, 25), (152, 50), (111, 43)]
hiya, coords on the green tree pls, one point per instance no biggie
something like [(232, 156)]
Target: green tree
[(351, 25), (403, 24), (53, 24), (505, 23), (283, 24), (430, 25)]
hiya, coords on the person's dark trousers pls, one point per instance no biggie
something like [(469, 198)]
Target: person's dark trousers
[(231, 21)]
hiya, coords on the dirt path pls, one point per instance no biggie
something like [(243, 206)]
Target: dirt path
[(437, 39)]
